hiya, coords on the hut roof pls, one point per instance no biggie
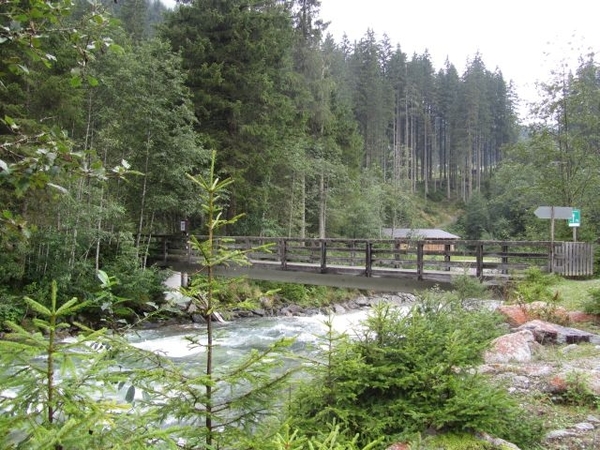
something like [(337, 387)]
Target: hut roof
[(414, 233)]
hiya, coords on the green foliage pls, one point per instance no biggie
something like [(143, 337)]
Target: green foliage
[(235, 400), (406, 373), (296, 294), (305, 295), (535, 286), (467, 286), (12, 308), (475, 221), (452, 441), (71, 388), (578, 391), (334, 440), (592, 304)]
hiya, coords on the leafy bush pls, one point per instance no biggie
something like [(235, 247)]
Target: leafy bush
[(535, 286), (406, 373), (334, 440), (592, 305), (466, 287), (12, 308), (305, 295), (578, 391)]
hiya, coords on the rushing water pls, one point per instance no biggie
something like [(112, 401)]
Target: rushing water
[(233, 340)]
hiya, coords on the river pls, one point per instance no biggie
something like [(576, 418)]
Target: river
[(234, 339)]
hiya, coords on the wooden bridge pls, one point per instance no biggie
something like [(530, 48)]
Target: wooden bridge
[(381, 263)]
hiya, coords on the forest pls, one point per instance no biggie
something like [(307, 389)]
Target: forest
[(118, 118), (108, 108)]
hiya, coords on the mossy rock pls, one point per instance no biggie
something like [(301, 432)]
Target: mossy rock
[(457, 442)]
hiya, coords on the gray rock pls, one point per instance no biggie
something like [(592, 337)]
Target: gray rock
[(511, 347), (339, 309), (550, 333), (584, 426), (558, 434)]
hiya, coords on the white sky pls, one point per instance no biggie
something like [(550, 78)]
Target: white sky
[(525, 39)]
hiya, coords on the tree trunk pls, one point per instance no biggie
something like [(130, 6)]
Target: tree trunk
[(322, 206)]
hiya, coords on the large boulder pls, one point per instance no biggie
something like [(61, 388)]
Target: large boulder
[(518, 347), (551, 333)]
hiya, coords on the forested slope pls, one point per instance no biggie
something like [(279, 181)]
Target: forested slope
[(107, 106)]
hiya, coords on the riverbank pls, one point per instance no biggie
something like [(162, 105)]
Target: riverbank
[(557, 380)]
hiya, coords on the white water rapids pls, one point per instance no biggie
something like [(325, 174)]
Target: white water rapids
[(234, 339)]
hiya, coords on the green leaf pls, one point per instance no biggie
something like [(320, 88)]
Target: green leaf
[(9, 121), (104, 278), (92, 81), (76, 81)]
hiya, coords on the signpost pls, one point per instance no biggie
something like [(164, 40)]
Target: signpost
[(553, 212), (560, 212), (574, 222)]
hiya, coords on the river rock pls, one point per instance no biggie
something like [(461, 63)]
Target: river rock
[(517, 346), (338, 309), (550, 333)]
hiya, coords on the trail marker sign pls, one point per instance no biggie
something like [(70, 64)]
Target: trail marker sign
[(575, 219), (554, 212)]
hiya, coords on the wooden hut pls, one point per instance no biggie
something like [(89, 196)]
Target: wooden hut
[(421, 234)]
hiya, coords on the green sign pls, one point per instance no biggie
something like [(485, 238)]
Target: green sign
[(575, 219)]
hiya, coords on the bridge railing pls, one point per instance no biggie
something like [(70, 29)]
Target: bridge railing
[(394, 257)]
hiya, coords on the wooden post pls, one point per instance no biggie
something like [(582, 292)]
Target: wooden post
[(283, 253), (323, 256), (504, 259), (368, 258), (420, 262), (479, 270), (447, 250)]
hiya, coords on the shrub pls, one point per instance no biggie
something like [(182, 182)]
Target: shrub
[(578, 391), (407, 373), (451, 441), (12, 309), (592, 304), (535, 286), (466, 287)]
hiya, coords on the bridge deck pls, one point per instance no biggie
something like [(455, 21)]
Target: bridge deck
[(402, 262)]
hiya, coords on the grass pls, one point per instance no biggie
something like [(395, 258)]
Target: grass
[(574, 293), (556, 354)]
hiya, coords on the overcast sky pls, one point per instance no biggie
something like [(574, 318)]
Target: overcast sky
[(525, 39)]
